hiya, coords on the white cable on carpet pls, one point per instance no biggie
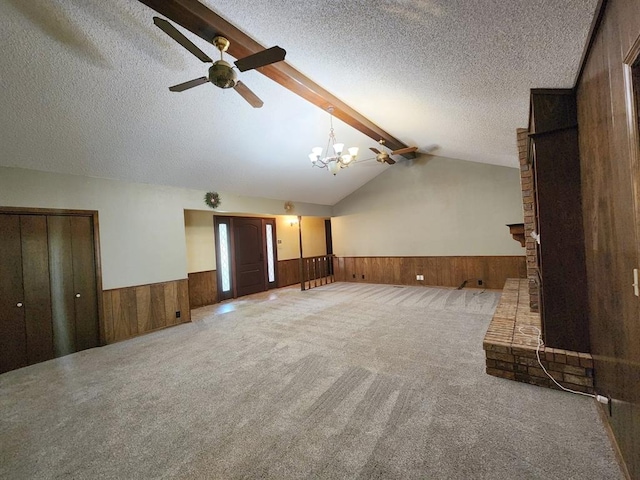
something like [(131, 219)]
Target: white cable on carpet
[(599, 398)]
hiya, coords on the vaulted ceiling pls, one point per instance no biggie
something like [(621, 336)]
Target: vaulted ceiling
[(85, 88)]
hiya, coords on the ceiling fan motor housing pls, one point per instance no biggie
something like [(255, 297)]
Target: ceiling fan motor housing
[(382, 157), (222, 75)]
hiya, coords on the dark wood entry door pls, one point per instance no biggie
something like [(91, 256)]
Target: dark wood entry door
[(249, 256)]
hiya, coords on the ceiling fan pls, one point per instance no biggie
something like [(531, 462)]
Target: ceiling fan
[(221, 73), (385, 157)]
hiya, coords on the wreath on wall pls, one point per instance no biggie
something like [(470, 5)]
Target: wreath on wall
[(212, 199)]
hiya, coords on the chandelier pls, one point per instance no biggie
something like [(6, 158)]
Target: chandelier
[(336, 161)]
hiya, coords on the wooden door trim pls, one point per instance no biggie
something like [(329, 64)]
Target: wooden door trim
[(47, 211), (632, 100), (96, 247), (632, 57)]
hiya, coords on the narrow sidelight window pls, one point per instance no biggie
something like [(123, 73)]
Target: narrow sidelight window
[(225, 262), (270, 257)]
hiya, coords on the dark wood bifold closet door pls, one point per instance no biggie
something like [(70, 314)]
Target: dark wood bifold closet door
[(37, 293), (249, 256), (84, 283), (13, 335), (48, 287), (73, 284), (26, 335)]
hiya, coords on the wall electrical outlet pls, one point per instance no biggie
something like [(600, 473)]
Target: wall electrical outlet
[(480, 283), (178, 314), (419, 277)]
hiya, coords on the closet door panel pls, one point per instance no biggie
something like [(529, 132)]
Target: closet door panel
[(13, 344), (62, 294), (37, 296), (84, 283)]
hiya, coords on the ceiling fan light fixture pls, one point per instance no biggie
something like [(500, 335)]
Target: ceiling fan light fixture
[(222, 75), (337, 161)]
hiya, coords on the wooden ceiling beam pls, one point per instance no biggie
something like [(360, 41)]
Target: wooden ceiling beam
[(205, 23)]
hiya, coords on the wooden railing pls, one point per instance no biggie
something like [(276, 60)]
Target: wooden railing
[(316, 271)]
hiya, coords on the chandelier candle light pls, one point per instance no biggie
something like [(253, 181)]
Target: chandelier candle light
[(338, 160)]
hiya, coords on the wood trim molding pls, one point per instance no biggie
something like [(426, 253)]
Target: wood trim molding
[(555, 130), (633, 128), (591, 37), (200, 20), (47, 211)]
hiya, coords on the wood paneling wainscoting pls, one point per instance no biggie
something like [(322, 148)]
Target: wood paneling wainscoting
[(438, 271), (132, 311), (288, 272), (203, 288)]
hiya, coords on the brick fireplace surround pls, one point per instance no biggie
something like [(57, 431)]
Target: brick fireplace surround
[(510, 343)]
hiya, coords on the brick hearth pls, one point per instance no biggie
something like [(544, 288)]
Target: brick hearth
[(511, 354)]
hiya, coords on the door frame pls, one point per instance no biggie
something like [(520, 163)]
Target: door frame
[(630, 64), (96, 248), (228, 220)]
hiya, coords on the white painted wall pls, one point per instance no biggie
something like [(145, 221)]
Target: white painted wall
[(199, 235), (142, 227), (431, 206)]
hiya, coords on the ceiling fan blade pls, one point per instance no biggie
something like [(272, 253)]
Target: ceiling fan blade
[(173, 32), (402, 151), (260, 59), (390, 161), (248, 95), (181, 87), (375, 150)]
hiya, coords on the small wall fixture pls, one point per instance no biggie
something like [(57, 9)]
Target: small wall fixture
[(334, 163)]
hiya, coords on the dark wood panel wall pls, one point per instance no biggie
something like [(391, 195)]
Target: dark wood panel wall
[(132, 311), (203, 288), (437, 271), (610, 180)]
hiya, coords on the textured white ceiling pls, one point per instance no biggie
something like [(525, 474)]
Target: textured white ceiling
[(85, 87)]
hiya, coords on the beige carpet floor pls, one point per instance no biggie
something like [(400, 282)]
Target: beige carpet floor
[(342, 381)]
